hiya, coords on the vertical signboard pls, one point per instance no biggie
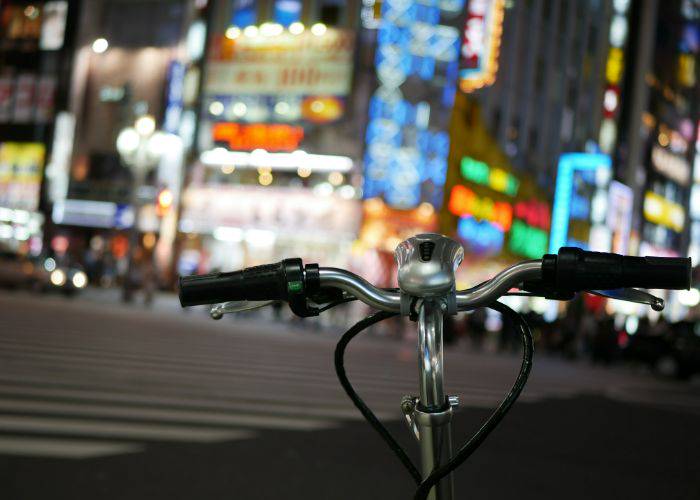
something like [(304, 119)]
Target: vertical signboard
[(619, 215), (482, 41), (21, 166), (407, 143)]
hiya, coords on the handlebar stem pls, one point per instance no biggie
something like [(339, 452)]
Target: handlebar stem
[(430, 318)]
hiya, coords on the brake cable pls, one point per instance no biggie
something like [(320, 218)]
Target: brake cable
[(357, 400), (466, 450)]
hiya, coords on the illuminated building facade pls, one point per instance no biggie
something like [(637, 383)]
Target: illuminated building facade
[(36, 53), (661, 132), (545, 98), (149, 69), (533, 78), (658, 139), (277, 170)]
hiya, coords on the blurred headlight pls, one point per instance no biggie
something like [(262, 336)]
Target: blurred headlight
[(58, 277), (50, 264), (79, 279)]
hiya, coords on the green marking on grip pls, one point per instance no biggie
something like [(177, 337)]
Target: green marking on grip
[(295, 286)]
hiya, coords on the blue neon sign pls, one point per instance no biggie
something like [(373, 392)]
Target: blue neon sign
[(406, 143), (482, 237), (569, 165)]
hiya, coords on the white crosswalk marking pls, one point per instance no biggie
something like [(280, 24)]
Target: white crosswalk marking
[(63, 448), (97, 383), (105, 428)]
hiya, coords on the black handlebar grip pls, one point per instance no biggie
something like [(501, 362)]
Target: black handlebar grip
[(578, 270), (267, 282)]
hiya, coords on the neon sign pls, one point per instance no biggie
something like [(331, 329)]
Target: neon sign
[(482, 42), (481, 173), (659, 210), (535, 213), (569, 164), (275, 137), (464, 202), (481, 236), (484, 222), (407, 146), (527, 240)]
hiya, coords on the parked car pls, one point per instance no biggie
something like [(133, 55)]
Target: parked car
[(64, 277), (40, 274)]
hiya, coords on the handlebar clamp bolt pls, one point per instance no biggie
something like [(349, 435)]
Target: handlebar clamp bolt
[(408, 404)]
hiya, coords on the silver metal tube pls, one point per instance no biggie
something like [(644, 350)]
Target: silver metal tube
[(434, 413), (435, 431), (466, 299), (360, 288), (499, 285), (432, 394)]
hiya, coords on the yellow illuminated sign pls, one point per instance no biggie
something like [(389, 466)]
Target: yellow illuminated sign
[(659, 210), (615, 65), (686, 70)]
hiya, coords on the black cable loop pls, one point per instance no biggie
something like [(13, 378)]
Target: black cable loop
[(490, 424), (476, 440), (357, 400)]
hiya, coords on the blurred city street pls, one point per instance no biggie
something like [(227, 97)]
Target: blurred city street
[(421, 158), (101, 400)]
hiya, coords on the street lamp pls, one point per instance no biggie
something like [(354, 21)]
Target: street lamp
[(141, 148)]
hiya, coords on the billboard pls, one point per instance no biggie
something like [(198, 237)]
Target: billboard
[(21, 170), (282, 65)]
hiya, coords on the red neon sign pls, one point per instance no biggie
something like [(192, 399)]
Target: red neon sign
[(535, 213), (463, 201), (271, 137)]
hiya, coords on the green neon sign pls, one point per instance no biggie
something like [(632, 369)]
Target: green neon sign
[(526, 240), (481, 173)]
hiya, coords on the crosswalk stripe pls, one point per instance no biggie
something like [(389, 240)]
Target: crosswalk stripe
[(231, 379), (217, 358), (134, 413), (63, 448), (336, 399), (117, 429), (289, 409), (389, 382), (383, 396)]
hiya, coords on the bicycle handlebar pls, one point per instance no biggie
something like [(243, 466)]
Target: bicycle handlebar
[(571, 270), (574, 270), (267, 282)]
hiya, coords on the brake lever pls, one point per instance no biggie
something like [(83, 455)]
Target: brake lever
[(632, 295), (217, 311)]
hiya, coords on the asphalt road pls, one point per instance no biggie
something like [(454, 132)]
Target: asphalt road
[(102, 401)]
